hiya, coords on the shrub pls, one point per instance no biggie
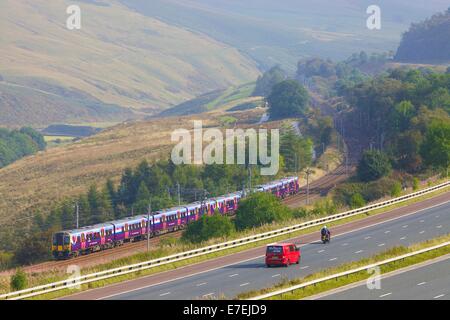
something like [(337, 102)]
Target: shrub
[(19, 280), (208, 227), (259, 209), (396, 190), (357, 201), (373, 165), (415, 184)]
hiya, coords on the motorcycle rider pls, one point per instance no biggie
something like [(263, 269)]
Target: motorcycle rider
[(325, 232)]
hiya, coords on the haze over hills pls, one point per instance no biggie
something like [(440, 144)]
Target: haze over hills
[(119, 61), (282, 32)]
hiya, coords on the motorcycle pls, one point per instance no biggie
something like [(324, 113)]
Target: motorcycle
[(326, 238)]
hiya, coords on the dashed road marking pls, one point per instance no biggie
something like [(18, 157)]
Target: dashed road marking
[(164, 294), (345, 244), (422, 232), (332, 259), (320, 251), (367, 238), (381, 244), (421, 284), (276, 275), (386, 294), (359, 251), (244, 284), (233, 275), (201, 284), (402, 238), (439, 296), (208, 294), (304, 267), (386, 232), (439, 226), (405, 226)]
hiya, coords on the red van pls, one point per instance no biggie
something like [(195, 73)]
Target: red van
[(282, 254)]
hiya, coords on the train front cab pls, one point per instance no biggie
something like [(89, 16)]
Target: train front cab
[(61, 245)]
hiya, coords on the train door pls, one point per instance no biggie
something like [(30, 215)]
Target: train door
[(143, 227), (83, 241), (178, 218), (126, 231), (102, 236), (163, 221)]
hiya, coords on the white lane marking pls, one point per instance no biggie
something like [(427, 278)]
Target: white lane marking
[(437, 216), (332, 259), (320, 251), (244, 284), (233, 275), (201, 284), (402, 238), (359, 251), (439, 296), (422, 221), (208, 294), (304, 267), (367, 238), (421, 232), (386, 294), (261, 256), (439, 226), (422, 283), (164, 294), (381, 244), (405, 226), (276, 275), (386, 232), (345, 244)]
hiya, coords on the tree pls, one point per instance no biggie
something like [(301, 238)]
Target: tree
[(268, 80), (288, 99), (373, 165), (435, 149), (142, 199), (19, 280), (208, 227), (259, 209)]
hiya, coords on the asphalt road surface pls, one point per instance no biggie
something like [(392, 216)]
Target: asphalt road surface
[(230, 280), (429, 281)]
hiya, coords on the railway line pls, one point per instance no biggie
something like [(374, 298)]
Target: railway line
[(317, 187)]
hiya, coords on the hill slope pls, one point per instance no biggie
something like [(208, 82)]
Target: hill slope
[(427, 42), (273, 32), (118, 58)]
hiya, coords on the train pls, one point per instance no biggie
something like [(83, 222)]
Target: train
[(89, 239)]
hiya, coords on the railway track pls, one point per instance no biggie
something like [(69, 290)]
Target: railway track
[(317, 188)]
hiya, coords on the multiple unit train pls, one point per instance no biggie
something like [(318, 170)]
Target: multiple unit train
[(72, 243)]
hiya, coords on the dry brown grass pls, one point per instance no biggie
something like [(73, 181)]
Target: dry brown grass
[(38, 182)]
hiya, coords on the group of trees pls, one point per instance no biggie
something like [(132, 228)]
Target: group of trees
[(406, 114), (15, 144), (427, 41), (288, 99)]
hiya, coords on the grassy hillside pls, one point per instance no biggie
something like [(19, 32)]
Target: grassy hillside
[(218, 99), (39, 181), (283, 31), (118, 58)]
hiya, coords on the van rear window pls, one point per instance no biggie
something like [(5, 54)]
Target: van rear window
[(274, 249)]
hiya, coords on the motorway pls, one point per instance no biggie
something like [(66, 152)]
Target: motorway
[(227, 276), (427, 281)]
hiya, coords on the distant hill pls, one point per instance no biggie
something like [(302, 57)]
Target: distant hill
[(427, 41), (119, 59), (281, 32)]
